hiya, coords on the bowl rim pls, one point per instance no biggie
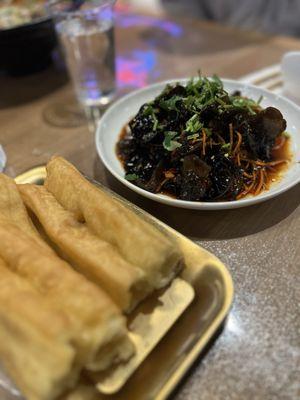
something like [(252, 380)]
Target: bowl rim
[(27, 25), (247, 201)]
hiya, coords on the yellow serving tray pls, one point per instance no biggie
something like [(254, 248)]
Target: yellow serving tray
[(169, 361)]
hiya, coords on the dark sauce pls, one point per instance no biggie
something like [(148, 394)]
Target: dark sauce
[(123, 134), (281, 151)]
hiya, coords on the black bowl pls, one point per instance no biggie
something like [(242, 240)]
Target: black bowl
[(27, 48)]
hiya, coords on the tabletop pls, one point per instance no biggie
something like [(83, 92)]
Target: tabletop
[(257, 354)]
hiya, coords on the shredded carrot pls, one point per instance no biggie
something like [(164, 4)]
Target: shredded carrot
[(260, 182), (265, 178), (247, 189), (264, 164), (248, 160), (271, 163), (247, 175), (169, 174), (247, 165)]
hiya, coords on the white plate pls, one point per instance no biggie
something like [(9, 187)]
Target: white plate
[(120, 113)]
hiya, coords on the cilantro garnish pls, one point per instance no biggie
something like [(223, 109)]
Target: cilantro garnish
[(193, 137), (149, 110), (170, 104), (131, 177), (260, 99), (208, 132), (242, 102), (169, 143), (194, 125), (191, 100), (225, 147)]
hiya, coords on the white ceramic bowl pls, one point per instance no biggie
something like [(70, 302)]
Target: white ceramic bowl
[(120, 113)]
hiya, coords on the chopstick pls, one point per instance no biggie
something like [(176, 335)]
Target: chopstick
[(268, 78)]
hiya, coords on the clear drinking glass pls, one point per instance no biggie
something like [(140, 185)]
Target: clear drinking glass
[(86, 31)]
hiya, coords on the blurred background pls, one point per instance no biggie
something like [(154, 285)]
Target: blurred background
[(27, 35), (270, 16), (146, 41)]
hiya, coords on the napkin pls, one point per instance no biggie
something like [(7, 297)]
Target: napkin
[(2, 159)]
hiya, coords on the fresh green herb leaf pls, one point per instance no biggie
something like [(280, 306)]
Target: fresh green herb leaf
[(170, 104), (242, 102), (251, 111), (189, 101), (260, 99), (170, 144), (205, 91), (155, 124), (171, 134), (220, 101), (198, 104), (208, 132), (131, 177), (148, 110), (217, 80), (225, 147), (208, 87), (194, 125), (193, 137)]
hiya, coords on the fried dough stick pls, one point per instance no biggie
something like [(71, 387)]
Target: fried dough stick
[(96, 321), (96, 259), (35, 340), (13, 210), (139, 242)]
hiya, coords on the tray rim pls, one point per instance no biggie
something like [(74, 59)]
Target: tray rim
[(175, 378)]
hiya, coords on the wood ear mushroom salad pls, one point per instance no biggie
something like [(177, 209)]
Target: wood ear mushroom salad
[(200, 143)]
